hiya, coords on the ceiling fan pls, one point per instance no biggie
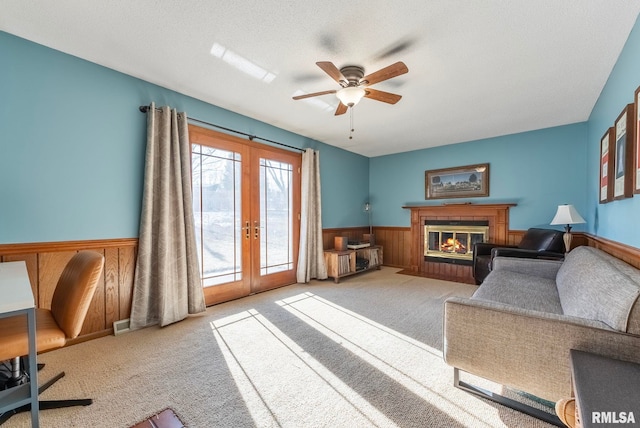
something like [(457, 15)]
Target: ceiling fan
[(355, 85)]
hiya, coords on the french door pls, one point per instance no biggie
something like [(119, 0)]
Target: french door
[(246, 203)]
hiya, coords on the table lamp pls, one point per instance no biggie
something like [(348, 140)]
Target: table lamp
[(567, 215)]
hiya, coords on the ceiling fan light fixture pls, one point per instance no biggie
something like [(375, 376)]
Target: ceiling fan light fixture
[(351, 95)]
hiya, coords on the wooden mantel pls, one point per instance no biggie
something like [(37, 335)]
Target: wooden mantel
[(496, 214)]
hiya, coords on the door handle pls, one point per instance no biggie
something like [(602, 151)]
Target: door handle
[(256, 228), (246, 229)]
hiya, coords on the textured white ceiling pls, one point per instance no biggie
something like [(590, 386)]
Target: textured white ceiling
[(477, 69)]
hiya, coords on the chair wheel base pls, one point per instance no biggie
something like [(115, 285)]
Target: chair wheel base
[(46, 404), (11, 382)]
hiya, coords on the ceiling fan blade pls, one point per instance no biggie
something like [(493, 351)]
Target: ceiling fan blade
[(307, 77), (329, 68), (342, 109), (315, 94), (386, 73), (396, 48), (385, 97)]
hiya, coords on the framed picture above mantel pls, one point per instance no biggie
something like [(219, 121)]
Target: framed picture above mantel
[(468, 181)]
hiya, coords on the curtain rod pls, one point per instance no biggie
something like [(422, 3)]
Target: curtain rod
[(251, 137)]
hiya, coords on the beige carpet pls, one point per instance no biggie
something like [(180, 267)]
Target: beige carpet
[(365, 352)]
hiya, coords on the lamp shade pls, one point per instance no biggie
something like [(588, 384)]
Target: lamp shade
[(351, 95), (567, 214)]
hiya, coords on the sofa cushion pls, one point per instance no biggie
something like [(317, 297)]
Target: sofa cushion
[(633, 321), (521, 290), (633, 326), (535, 267), (593, 284)]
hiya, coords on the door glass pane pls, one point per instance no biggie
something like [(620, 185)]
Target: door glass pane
[(216, 208), (276, 216)]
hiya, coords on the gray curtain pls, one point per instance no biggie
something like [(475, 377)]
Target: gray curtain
[(167, 284), (311, 255)]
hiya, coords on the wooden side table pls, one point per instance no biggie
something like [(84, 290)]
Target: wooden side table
[(607, 390), (343, 263)]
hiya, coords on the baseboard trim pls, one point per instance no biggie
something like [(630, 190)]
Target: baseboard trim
[(90, 336)]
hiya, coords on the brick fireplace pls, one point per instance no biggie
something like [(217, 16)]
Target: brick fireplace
[(466, 223)]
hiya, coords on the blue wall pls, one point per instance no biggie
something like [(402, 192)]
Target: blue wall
[(617, 220), (538, 170), (72, 148), (529, 168)]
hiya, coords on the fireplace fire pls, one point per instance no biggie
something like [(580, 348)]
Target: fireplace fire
[(452, 241), (453, 246)]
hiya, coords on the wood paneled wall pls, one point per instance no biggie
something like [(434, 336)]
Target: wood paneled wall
[(394, 240), (112, 300), (397, 241), (623, 252), (515, 236), (352, 233)]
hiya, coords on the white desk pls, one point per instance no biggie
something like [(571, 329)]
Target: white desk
[(16, 298)]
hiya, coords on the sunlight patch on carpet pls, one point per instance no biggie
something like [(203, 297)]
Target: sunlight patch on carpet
[(298, 302), (308, 385), (407, 361)]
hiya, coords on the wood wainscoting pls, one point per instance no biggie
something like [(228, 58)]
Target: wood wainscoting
[(395, 241), (626, 253), (352, 233), (112, 300)]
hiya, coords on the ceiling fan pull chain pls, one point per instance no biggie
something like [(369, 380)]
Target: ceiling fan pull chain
[(351, 122)]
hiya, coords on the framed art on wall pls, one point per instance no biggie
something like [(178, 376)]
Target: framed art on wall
[(606, 166), (624, 153), (459, 182), (636, 143)]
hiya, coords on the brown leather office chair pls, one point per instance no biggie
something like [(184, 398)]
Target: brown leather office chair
[(69, 305)]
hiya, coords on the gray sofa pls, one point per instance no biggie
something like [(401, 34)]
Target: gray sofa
[(519, 325)]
